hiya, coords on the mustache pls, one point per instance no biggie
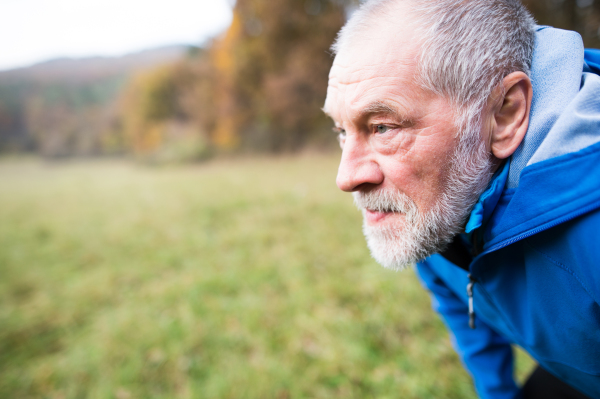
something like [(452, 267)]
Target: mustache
[(385, 200)]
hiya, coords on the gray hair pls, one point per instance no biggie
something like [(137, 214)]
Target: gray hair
[(467, 46)]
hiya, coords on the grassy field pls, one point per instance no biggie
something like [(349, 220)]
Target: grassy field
[(232, 279)]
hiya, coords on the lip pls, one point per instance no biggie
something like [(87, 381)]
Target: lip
[(376, 216)]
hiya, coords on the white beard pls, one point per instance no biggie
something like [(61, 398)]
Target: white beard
[(419, 235)]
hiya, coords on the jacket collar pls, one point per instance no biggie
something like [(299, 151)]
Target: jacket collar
[(482, 211), (554, 174)]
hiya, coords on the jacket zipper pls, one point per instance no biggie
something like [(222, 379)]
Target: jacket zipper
[(472, 282), (474, 252)]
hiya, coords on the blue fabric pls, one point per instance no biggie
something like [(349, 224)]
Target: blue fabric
[(537, 279), (482, 211), (592, 60), (555, 76), (486, 355)]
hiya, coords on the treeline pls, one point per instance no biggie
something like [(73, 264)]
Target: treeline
[(258, 87)]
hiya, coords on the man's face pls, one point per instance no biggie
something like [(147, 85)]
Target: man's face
[(399, 150)]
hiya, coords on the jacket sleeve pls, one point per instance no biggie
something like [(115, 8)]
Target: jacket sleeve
[(486, 355)]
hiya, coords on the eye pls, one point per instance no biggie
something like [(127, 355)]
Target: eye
[(381, 129), (339, 131)]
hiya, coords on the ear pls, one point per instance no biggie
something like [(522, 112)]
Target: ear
[(510, 117)]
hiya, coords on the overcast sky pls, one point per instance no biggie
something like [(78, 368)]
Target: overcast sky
[(37, 30)]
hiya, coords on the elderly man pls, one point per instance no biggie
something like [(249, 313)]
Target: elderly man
[(471, 143)]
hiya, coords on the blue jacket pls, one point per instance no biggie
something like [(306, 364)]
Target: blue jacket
[(536, 280)]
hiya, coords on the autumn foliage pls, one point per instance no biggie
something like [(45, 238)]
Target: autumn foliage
[(259, 87)]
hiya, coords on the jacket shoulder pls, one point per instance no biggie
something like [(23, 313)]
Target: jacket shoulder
[(574, 247)]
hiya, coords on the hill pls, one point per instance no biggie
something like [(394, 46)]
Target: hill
[(64, 106)]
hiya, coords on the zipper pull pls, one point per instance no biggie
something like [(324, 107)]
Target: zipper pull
[(470, 294)]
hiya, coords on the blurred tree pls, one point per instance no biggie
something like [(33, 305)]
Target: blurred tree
[(159, 109), (271, 73), (148, 100), (199, 90)]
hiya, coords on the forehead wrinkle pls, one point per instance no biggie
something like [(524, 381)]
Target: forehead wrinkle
[(355, 78), (389, 98), (356, 87)]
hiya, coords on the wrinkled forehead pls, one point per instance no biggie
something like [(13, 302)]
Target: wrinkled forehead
[(370, 68)]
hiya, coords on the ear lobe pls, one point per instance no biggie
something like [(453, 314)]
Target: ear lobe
[(511, 116)]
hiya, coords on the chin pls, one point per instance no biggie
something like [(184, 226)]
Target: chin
[(389, 252), (399, 248), (405, 236)]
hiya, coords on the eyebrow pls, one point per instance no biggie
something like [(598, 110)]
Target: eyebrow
[(375, 108), (379, 107)]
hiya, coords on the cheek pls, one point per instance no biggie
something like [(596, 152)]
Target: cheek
[(420, 173), (406, 176), (397, 145), (434, 164)]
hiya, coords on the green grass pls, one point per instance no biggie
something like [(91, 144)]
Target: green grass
[(233, 279)]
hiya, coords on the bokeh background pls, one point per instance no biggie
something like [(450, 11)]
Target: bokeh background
[(170, 225)]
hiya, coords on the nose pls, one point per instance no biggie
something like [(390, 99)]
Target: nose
[(358, 167)]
